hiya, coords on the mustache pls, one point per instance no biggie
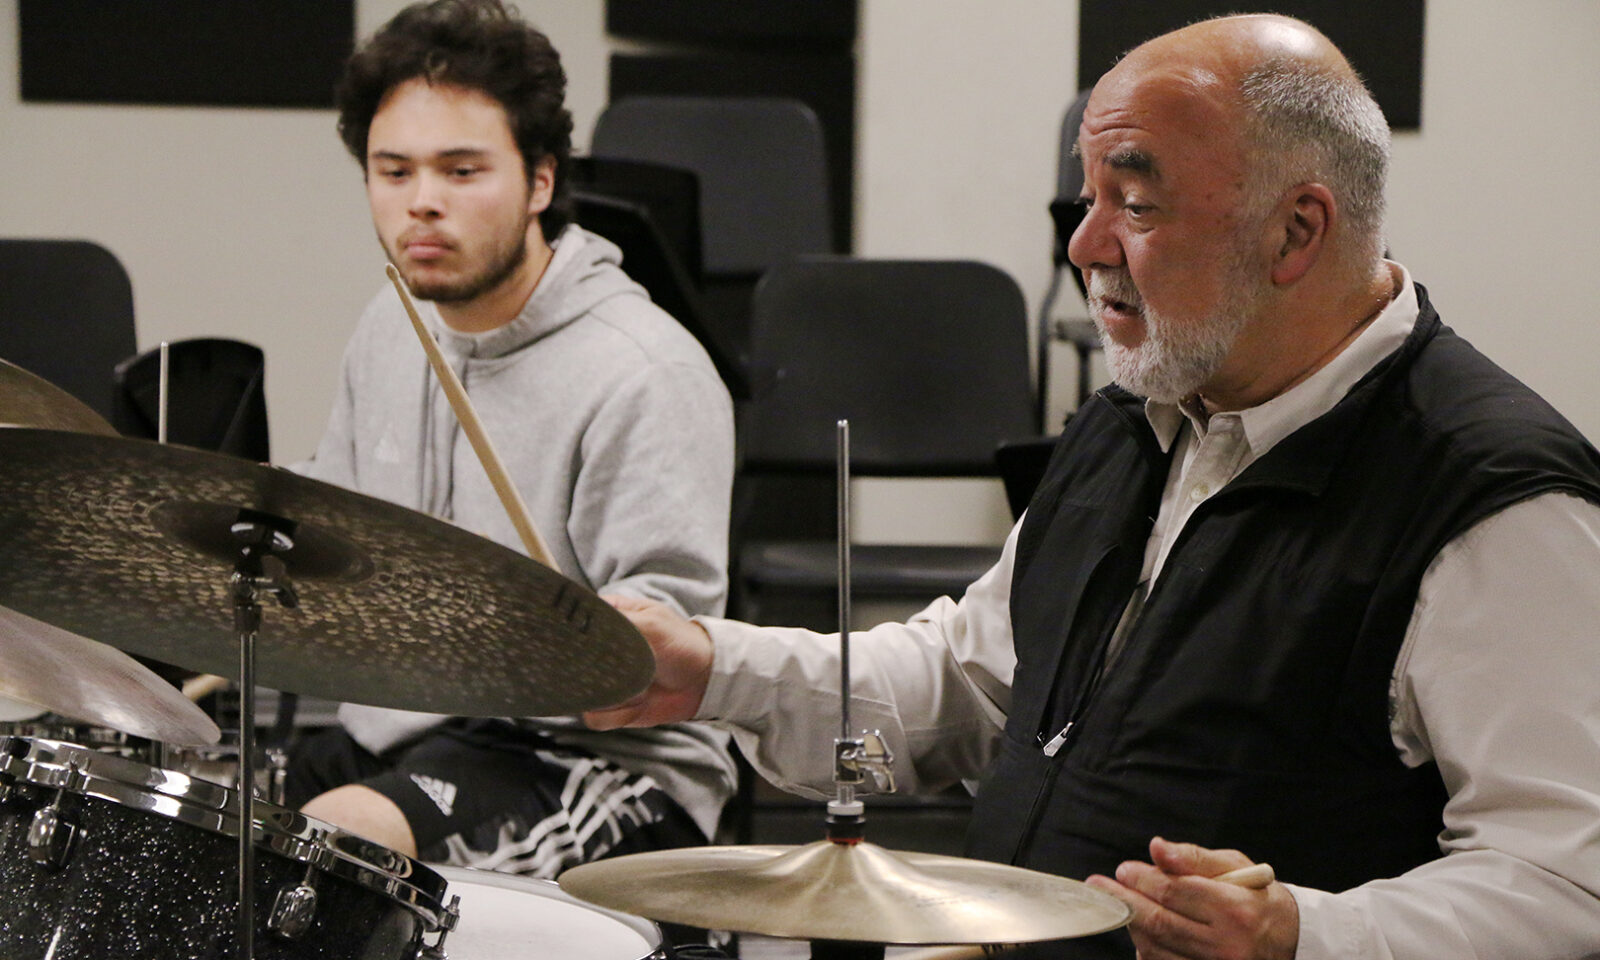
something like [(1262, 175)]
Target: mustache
[(1114, 286)]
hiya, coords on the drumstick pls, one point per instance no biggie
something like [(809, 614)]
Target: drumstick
[(1257, 876), (510, 498), (202, 686)]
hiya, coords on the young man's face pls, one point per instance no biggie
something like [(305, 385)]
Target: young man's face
[(452, 203)]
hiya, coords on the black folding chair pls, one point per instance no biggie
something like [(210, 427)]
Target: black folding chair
[(929, 362), (66, 314)]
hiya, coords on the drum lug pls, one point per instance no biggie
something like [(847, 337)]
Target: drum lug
[(50, 838), (293, 911), (447, 922)]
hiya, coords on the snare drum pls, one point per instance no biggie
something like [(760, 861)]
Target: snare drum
[(103, 856), (507, 917)]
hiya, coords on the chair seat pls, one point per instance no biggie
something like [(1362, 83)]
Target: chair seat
[(879, 570)]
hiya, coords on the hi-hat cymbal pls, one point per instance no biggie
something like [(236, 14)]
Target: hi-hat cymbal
[(79, 678), (27, 400), (129, 542), (860, 892)]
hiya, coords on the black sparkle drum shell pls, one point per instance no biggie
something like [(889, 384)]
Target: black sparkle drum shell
[(151, 869)]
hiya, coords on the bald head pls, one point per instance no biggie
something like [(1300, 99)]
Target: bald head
[(1301, 112), (1230, 48)]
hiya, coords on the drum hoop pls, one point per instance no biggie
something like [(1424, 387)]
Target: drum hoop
[(54, 764), (647, 929), (37, 728)]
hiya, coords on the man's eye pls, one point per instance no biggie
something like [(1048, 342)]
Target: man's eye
[(462, 172), (1137, 209), (392, 174)]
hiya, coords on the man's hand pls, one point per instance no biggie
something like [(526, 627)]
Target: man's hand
[(683, 666), (1180, 912)]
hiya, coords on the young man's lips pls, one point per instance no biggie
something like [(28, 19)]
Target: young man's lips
[(426, 249)]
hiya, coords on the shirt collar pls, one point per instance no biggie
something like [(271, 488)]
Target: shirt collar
[(1267, 423)]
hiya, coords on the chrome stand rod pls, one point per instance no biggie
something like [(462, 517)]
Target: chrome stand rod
[(844, 577)]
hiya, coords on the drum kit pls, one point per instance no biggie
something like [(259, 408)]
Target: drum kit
[(171, 553)]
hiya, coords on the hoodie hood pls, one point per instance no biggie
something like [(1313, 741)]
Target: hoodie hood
[(585, 270)]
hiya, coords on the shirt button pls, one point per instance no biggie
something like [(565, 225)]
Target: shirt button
[(1199, 492)]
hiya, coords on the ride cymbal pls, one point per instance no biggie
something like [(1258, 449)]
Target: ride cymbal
[(130, 542), (836, 891)]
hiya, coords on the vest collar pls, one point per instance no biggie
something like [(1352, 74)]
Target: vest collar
[(1305, 459)]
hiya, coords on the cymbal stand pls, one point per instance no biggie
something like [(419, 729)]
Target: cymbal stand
[(261, 537), (855, 757)]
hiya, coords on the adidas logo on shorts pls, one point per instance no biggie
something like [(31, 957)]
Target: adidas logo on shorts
[(441, 793)]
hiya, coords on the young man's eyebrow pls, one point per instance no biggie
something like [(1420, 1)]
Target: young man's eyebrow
[(454, 153)]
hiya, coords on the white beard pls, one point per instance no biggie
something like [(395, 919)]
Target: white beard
[(1175, 359)]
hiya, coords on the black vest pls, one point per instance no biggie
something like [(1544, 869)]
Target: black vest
[(1248, 708)]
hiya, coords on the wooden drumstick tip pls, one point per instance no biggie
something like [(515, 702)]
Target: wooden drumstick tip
[(1257, 876), (198, 688)]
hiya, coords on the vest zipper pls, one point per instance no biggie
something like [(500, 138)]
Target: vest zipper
[(1053, 746), (1056, 742)]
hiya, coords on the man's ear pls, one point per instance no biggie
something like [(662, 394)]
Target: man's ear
[(1307, 213), (542, 185)]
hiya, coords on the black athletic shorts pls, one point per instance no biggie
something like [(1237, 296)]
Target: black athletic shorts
[(493, 795)]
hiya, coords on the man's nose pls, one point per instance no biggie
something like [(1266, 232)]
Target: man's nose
[(1094, 244), (427, 198)]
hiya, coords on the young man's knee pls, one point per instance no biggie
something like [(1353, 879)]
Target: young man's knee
[(365, 812)]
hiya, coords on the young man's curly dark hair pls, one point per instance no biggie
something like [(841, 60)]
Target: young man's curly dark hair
[(477, 45)]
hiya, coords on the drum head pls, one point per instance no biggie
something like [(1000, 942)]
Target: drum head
[(507, 917)]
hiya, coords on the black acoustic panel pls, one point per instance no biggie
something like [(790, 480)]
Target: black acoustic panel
[(824, 23), (1382, 38), (288, 53), (824, 82)]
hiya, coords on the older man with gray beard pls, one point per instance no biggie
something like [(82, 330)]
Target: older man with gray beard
[(1313, 585)]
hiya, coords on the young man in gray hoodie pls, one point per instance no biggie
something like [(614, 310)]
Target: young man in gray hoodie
[(591, 394)]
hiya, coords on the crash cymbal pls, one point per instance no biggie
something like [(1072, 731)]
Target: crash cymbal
[(79, 678), (27, 400), (834, 891), (128, 542)]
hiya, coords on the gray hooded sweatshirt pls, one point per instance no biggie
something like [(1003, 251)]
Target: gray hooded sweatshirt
[(618, 433)]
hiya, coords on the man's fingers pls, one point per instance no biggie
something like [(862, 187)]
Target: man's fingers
[(1187, 859), (1157, 931), (611, 718)]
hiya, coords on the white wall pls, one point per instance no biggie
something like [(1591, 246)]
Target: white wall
[(252, 223), (1495, 205)]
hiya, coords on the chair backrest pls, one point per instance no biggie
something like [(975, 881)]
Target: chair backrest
[(762, 167), (1065, 210), (216, 396), (66, 314), (928, 359), (671, 196)]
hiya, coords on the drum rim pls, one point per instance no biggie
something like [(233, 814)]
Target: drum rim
[(648, 929), (60, 765)]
